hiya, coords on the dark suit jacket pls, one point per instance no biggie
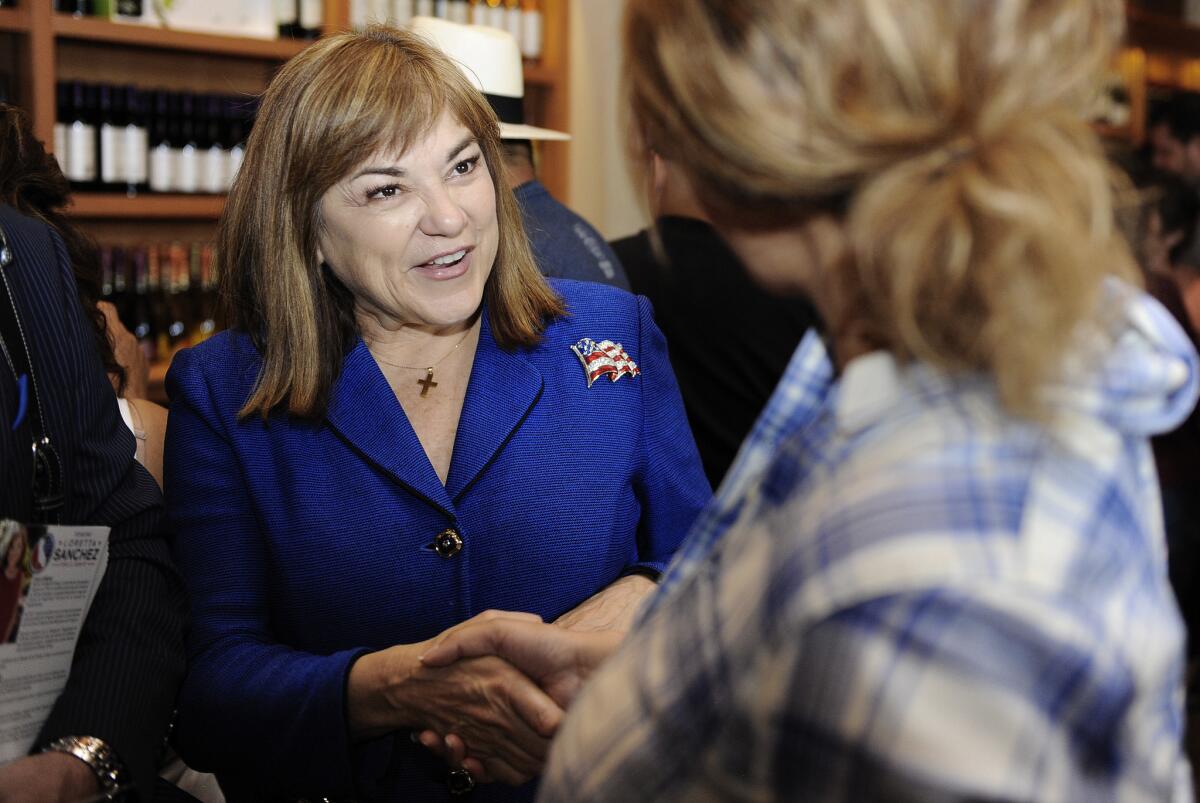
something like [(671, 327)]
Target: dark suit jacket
[(306, 544), (130, 658)]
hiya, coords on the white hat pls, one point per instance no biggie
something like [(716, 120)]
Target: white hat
[(491, 59)]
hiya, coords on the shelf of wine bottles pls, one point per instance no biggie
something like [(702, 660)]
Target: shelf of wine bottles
[(521, 18), (165, 293), (129, 140)]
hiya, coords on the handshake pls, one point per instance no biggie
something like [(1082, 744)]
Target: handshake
[(488, 695)]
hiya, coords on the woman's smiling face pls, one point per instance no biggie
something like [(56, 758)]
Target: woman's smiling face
[(414, 236)]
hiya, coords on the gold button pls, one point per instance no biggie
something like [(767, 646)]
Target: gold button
[(448, 543)]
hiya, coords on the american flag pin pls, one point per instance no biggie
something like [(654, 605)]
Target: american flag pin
[(605, 358)]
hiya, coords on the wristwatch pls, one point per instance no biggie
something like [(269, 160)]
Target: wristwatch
[(99, 757)]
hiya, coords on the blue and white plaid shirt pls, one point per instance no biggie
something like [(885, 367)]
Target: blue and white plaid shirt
[(902, 593)]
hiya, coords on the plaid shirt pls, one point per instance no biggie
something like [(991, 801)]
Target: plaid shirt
[(902, 593)]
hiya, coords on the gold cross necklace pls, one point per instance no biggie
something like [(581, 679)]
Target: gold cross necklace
[(427, 382)]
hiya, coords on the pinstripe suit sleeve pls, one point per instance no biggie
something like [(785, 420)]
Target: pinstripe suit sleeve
[(129, 661)]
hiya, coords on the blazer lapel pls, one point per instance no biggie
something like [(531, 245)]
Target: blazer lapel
[(504, 387), (365, 412)]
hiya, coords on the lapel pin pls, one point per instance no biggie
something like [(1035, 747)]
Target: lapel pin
[(605, 358)]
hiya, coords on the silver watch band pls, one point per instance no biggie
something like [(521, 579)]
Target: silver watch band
[(99, 757)]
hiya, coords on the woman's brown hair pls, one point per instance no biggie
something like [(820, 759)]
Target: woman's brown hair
[(339, 101), (949, 138), (32, 183)]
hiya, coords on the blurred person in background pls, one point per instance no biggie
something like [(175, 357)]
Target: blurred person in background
[(730, 339), (31, 182), (66, 458)]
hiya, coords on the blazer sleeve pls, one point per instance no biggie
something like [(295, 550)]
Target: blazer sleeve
[(129, 660), (670, 481), (251, 706)]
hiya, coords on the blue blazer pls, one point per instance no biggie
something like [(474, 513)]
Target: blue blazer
[(304, 545)]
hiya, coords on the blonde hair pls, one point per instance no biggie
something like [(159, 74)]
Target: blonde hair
[(949, 138), (339, 101)]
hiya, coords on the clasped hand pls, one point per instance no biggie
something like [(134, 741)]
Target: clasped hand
[(557, 660)]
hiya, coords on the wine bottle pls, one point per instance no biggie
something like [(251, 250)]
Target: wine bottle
[(81, 138), (178, 314), (157, 274), (512, 19), (312, 18), (120, 285), (206, 296), (459, 11), (106, 273), (400, 13), (141, 315), (531, 29), (287, 19), (110, 138), (62, 96), (185, 151), (421, 8), (162, 145), (214, 169), (135, 142), (496, 15), (237, 120)]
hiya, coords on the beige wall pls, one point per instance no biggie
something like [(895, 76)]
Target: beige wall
[(601, 189)]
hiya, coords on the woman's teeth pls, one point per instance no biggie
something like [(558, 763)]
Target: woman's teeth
[(449, 259)]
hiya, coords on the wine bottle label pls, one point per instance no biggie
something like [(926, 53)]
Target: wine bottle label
[(423, 8), (233, 164), (187, 169), (129, 8), (311, 14), (362, 12), (81, 152), (498, 17), (441, 9), (136, 144), (531, 34), (460, 11), (212, 174), (162, 174), (400, 12), (60, 146), (512, 23), (285, 12), (112, 154)]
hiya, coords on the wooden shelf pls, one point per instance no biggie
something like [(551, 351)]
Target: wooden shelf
[(537, 74), (149, 206), (14, 19), (1159, 33), (94, 30)]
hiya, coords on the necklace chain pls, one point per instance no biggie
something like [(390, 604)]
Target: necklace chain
[(429, 366)]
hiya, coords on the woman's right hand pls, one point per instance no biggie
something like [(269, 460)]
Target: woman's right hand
[(503, 715)]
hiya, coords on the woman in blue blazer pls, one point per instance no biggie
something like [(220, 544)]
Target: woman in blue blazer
[(404, 428)]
